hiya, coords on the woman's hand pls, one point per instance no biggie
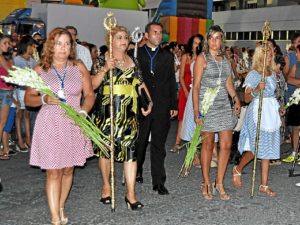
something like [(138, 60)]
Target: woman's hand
[(51, 100), (186, 93), (237, 107), (260, 86), (148, 111), (109, 64), (197, 118)]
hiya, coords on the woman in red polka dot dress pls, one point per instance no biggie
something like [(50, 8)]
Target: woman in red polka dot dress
[(58, 144)]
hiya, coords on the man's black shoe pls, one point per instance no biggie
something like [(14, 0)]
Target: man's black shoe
[(161, 189), (139, 179)]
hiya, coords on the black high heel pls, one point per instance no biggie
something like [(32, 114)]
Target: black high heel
[(133, 206), (106, 200)]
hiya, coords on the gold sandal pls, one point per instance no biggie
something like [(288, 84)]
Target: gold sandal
[(236, 178), (63, 220), (267, 190), (223, 195), (206, 192)]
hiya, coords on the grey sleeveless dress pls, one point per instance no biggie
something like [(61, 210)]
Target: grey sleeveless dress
[(219, 116)]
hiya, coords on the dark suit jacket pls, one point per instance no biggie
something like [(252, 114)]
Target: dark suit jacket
[(162, 85)]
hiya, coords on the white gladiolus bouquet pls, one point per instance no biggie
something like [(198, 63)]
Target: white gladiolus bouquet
[(294, 99), (207, 102), (29, 78)]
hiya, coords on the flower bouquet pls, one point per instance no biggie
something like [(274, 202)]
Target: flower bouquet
[(29, 78), (192, 146), (294, 99)]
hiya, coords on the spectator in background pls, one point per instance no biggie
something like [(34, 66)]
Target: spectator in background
[(82, 52), (5, 90), (290, 61), (24, 59), (102, 50), (94, 51)]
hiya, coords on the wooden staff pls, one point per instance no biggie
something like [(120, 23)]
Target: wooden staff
[(109, 23), (266, 31)]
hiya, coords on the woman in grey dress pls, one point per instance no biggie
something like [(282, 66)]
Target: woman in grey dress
[(212, 69)]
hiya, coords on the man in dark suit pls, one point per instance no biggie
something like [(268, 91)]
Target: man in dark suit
[(157, 66)]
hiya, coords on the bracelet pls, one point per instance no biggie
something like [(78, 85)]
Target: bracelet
[(83, 112), (43, 100), (253, 93)]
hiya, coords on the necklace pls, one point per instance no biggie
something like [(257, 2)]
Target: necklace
[(120, 63), (219, 68), (61, 92)]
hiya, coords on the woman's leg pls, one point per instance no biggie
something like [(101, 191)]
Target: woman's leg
[(225, 139), (104, 166), (66, 184), (53, 189), (4, 111), (246, 158), (178, 139), (265, 165), (264, 188), (295, 138), (19, 115), (206, 155), (27, 128), (130, 169)]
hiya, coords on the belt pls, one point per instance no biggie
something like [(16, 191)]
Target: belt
[(121, 89)]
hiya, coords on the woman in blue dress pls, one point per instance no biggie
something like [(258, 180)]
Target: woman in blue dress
[(269, 143)]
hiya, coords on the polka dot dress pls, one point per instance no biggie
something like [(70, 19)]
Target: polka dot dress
[(57, 142)]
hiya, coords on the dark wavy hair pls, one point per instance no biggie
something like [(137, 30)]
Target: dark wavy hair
[(48, 51), (189, 47), (22, 46)]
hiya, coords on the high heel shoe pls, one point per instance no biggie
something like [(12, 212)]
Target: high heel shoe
[(63, 220), (236, 178), (106, 200), (267, 190), (206, 192), (133, 206), (223, 195)]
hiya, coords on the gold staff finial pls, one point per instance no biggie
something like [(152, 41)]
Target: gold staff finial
[(266, 30), (110, 21)]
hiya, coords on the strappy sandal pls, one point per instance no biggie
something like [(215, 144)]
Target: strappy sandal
[(206, 192), (223, 195), (4, 156), (267, 191), (56, 222), (236, 178), (63, 220)]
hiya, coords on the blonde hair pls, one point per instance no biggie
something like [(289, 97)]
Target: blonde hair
[(114, 31), (258, 57), (212, 30)]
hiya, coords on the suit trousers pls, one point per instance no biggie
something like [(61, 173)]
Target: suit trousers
[(159, 127)]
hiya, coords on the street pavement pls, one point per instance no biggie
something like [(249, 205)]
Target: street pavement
[(23, 199)]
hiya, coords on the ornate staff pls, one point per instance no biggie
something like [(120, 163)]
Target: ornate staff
[(109, 23), (266, 34), (136, 37)]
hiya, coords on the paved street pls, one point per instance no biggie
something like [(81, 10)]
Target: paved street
[(23, 200)]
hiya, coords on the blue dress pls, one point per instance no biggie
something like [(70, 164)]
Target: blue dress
[(269, 143)]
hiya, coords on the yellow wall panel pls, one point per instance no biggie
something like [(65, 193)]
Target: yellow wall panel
[(7, 6)]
